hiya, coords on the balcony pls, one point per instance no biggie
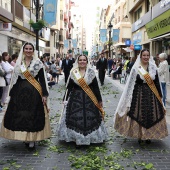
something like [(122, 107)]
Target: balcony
[(18, 10), (5, 15)]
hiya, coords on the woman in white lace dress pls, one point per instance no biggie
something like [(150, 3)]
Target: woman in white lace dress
[(81, 121), (141, 113)]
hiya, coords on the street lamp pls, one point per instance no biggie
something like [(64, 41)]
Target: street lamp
[(38, 4), (77, 51), (110, 40), (97, 51)]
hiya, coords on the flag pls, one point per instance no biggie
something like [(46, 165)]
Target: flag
[(115, 35), (103, 35), (66, 43), (74, 42), (50, 12)]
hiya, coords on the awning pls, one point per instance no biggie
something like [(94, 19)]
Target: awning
[(118, 44), (161, 37), (127, 49), (54, 27)]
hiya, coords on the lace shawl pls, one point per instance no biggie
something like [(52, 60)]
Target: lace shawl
[(89, 76), (34, 68), (126, 98)]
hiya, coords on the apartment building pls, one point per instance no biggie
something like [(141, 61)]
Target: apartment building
[(150, 25), (17, 14), (122, 27)]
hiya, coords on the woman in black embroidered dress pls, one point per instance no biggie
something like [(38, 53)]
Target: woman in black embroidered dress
[(81, 120), (26, 118), (140, 114)]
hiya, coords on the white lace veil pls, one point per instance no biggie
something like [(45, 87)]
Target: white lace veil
[(126, 98), (75, 65), (21, 54)]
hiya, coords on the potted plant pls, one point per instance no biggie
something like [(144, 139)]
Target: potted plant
[(37, 25)]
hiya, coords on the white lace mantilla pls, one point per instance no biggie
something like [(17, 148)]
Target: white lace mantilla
[(126, 98), (34, 68), (89, 76), (98, 136)]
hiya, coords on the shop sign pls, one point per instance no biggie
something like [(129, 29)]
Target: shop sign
[(137, 38), (142, 21), (159, 25), (138, 22), (127, 42), (164, 3), (160, 8), (137, 47), (5, 26)]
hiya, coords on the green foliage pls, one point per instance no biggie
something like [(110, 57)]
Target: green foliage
[(37, 25)]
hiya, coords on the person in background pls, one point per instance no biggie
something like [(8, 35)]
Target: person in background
[(2, 82), (82, 120), (14, 59), (66, 67), (125, 65), (118, 71), (130, 65), (163, 71), (71, 58), (140, 112), (26, 117), (45, 61), (157, 59), (109, 65), (8, 68), (102, 67), (53, 71), (58, 71)]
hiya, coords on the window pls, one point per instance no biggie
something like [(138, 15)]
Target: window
[(147, 5), (61, 14), (6, 6), (138, 14)]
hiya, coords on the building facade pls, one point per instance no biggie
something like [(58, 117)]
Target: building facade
[(18, 20), (150, 25)]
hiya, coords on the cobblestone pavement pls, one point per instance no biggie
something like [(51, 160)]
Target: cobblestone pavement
[(117, 153)]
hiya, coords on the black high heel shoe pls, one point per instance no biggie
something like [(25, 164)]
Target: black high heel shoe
[(140, 141), (26, 144)]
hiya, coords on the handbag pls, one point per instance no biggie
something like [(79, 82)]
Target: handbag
[(5, 80), (2, 73)]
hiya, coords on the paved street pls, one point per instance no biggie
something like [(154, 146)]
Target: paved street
[(117, 153)]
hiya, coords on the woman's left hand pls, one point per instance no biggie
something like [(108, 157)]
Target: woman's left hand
[(44, 100)]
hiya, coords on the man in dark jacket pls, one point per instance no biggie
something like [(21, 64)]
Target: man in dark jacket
[(102, 67), (66, 67), (109, 65)]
